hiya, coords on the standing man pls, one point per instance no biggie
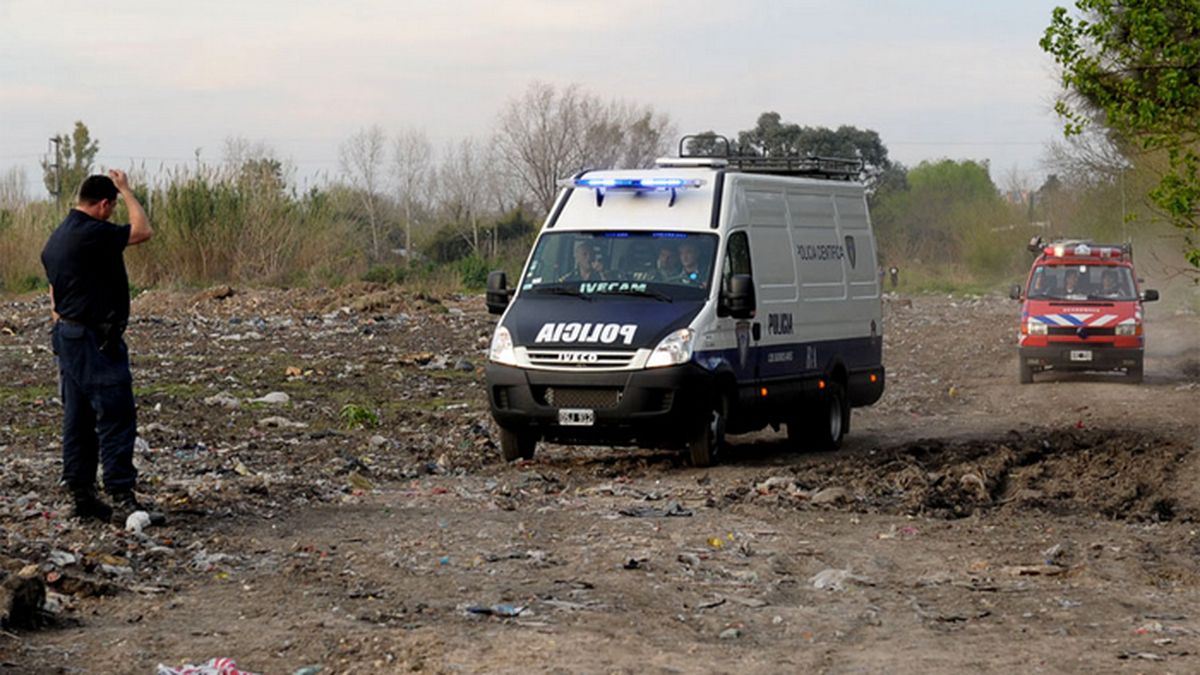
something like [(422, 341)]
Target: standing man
[(89, 301)]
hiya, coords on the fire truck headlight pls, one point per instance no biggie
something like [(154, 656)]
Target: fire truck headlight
[(674, 349), (1037, 328), (502, 348), (1129, 329)]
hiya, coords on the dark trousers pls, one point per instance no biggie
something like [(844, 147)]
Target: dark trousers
[(99, 416)]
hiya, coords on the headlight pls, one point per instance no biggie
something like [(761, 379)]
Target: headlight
[(1037, 328), (674, 349), (502, 347), (1128, 329)]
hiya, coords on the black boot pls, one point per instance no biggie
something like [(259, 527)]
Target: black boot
[(127, 503), (88, 505)]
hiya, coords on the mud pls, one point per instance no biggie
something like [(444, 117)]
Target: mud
[(367, 525)]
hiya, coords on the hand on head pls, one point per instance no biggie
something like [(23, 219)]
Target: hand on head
[(119, 178)]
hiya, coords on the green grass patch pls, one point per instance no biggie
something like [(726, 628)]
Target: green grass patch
[(28, 394)]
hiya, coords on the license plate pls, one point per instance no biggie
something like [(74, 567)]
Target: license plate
[(1081, 355), (576, 417)]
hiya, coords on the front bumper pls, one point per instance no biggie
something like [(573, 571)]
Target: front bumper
[(652, 407), (1057, 356)]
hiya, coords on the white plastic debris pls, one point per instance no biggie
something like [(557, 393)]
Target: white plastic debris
[(137, 521)]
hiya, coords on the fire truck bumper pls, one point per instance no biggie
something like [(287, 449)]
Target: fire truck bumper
[(1081, 357)]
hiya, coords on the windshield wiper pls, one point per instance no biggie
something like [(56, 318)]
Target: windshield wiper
[(559, 289), (662, 297)]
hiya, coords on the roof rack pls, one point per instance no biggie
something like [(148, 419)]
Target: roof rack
[(837, 168)]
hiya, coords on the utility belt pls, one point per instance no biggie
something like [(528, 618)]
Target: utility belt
[(109, 332)]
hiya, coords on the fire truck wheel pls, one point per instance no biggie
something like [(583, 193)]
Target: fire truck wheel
[(515, 445), (709, 439), (1026, 373), (1135, 373)]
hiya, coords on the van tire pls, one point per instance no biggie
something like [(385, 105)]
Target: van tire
[(515, 445), (709, 438), (830, 419), (1026, 372)]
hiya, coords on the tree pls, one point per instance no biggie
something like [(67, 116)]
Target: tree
[(412, 157), (72, 161), (548, 134), (13, 189), (465, 183), (1133, 66), (362, 158), (771, 137)]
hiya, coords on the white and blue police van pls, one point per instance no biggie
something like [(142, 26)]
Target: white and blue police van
[(667, 307)]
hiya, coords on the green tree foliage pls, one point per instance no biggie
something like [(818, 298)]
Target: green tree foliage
[(451, 244), (1133, 66), (948, 213), (772, 137), (72, 162)]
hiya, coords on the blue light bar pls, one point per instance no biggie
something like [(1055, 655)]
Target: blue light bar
[(642, 184)]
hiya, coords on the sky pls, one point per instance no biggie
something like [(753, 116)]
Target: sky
[(158, 81)]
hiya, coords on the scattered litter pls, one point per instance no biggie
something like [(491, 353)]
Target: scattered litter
[(223, 399), (502, 610), (137, 521), (836, 580), (1033, 570), (281, 423), (273, 398), (1144, 656), (219, 666), (673, 509)]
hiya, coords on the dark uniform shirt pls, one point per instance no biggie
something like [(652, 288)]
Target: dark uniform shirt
[(85, 263)]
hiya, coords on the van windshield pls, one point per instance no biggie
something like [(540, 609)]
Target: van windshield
[(660, 265), (1081, 282)]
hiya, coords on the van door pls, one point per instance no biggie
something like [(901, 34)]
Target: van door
[(745, 361)]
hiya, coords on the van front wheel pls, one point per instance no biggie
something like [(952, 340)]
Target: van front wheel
[(516, 445), (707, 441)]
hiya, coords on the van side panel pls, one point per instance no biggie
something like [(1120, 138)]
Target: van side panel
[(860, 261), (816, 246), (771, 248)]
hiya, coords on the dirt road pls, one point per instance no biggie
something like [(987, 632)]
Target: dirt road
[(968, 524)]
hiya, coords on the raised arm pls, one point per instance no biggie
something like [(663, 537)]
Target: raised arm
[(139, 222)]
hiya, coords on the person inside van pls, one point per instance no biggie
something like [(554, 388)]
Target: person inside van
[(667, 263), (584, 268), (1043, 285), (690, 272), (1109, 285), (1074, 284)]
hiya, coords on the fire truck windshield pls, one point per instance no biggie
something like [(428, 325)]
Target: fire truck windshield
[(1081, 282)]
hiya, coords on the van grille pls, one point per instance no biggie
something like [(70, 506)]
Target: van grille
[(579, 397), (580, 359)]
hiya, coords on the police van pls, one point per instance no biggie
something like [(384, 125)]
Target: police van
[(667, 307)]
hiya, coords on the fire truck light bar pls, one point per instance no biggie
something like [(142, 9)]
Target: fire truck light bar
[(1082, 251)]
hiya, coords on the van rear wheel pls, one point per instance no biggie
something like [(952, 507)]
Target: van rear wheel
[(515, 445), (709, 439), (830, 419)]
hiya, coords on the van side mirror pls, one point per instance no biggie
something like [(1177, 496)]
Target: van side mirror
[(738, 298), (1014, 292), (497, 292), (1149, 295)]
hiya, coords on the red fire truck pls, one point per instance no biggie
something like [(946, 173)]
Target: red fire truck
[(1081, 310)]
